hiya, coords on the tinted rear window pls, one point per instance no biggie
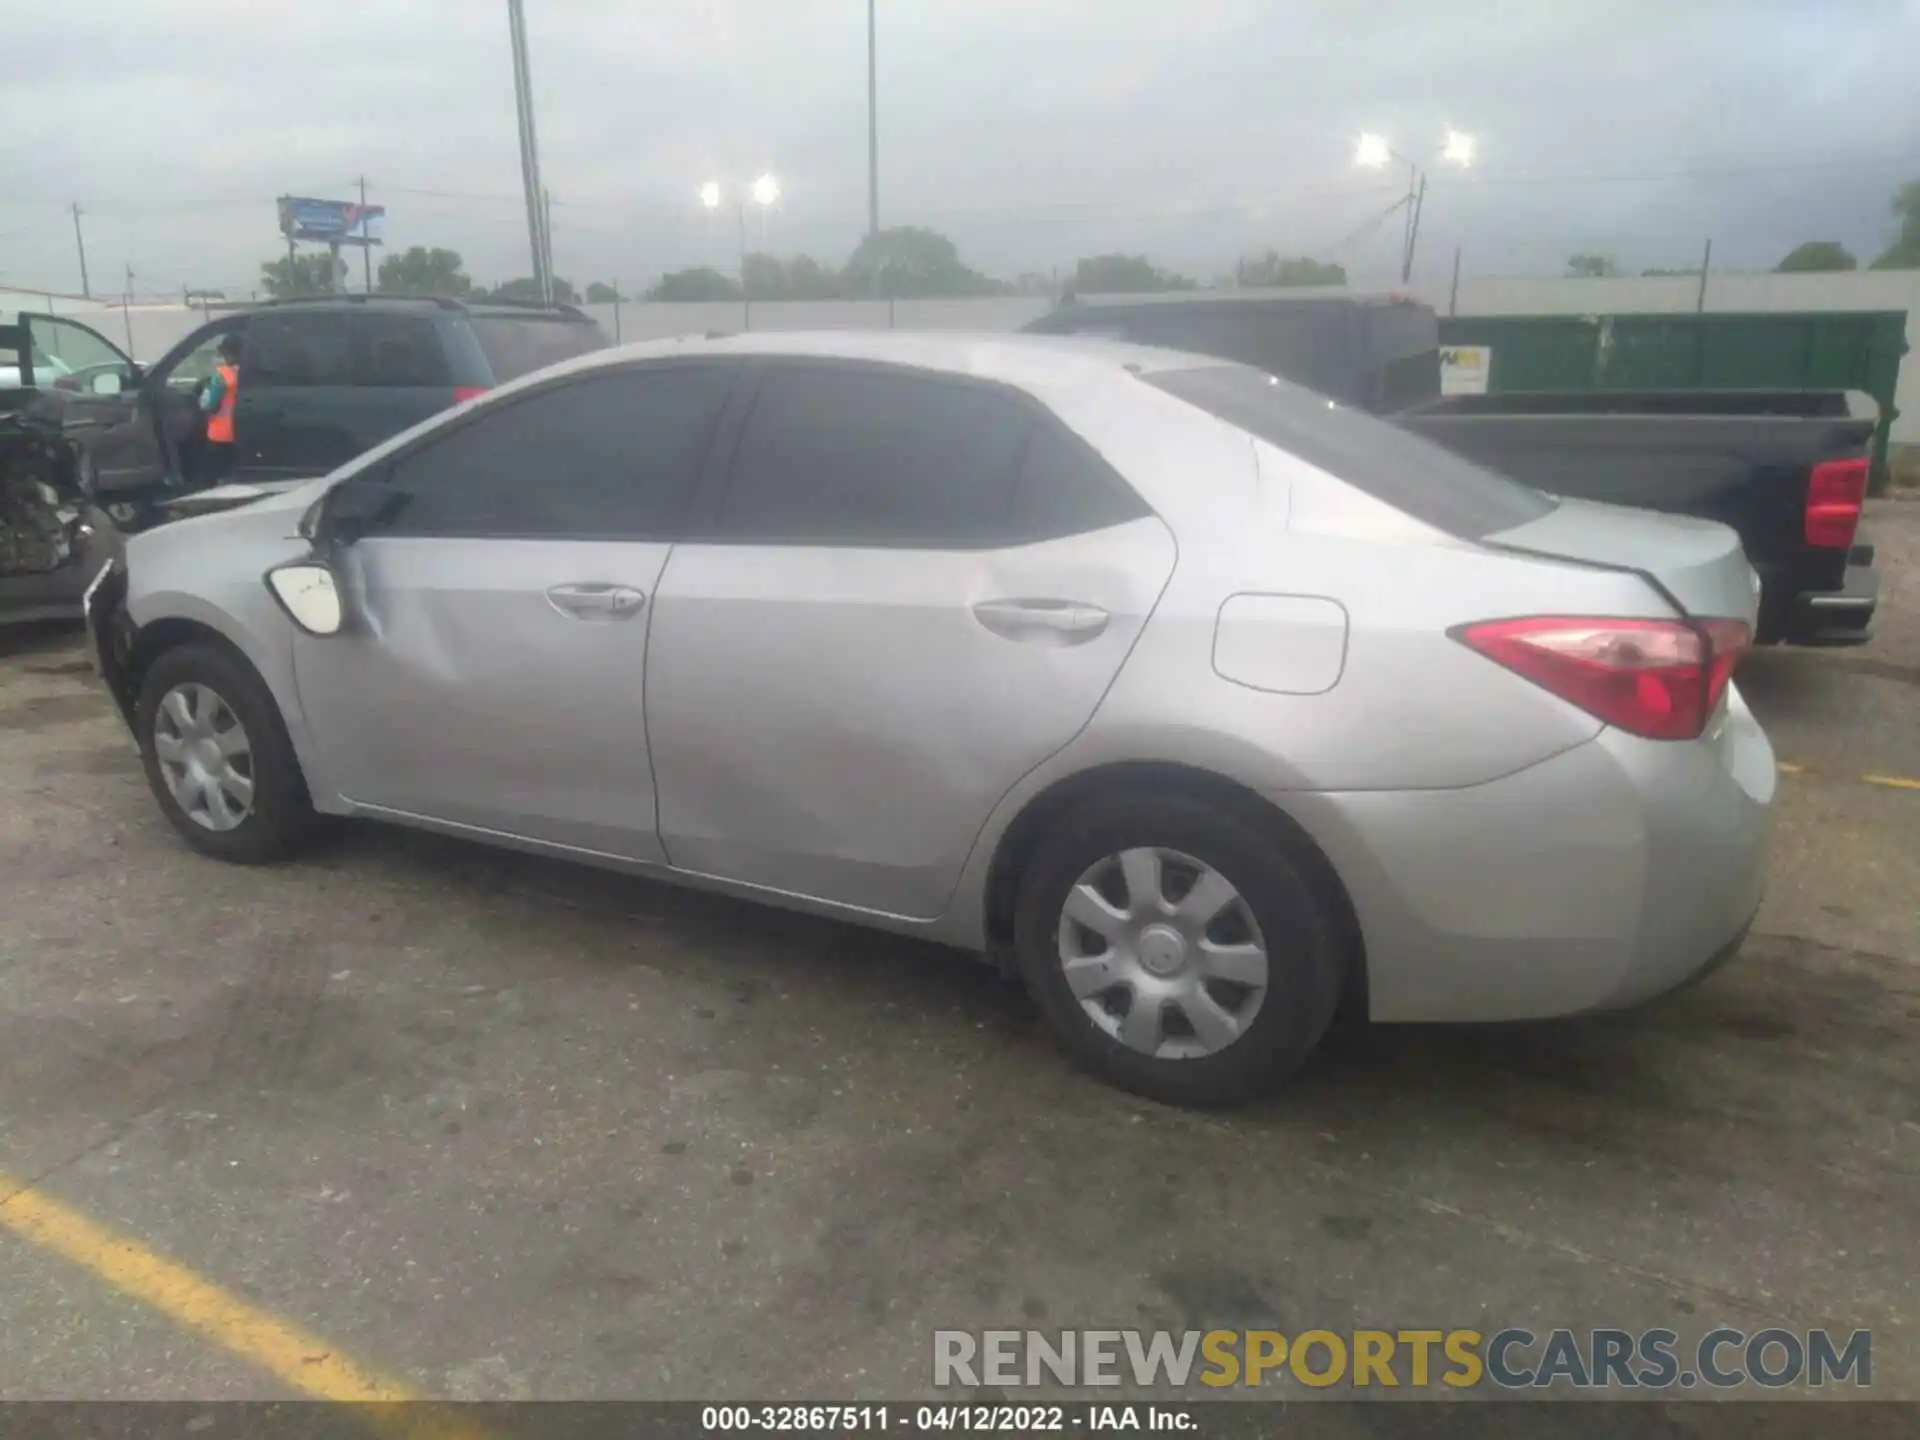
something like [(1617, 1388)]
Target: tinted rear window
[(1413, 475), (517, 345), (400, 351)]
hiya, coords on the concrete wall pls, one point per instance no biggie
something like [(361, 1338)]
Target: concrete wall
[(154, 327)]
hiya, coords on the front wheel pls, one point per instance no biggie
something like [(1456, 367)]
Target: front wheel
[(1177, 948), (218, 758)]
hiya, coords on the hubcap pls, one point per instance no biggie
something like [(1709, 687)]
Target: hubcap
[(1163, 953), (205, 757)]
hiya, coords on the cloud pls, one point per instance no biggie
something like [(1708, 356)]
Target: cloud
[(1032, 131)]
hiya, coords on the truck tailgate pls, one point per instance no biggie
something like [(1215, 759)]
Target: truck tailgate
[(1747, 471)]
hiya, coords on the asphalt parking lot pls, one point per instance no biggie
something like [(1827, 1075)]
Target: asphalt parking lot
[(496, 1128)]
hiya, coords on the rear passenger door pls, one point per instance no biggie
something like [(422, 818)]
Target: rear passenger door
[(911, 589), (294, 414)]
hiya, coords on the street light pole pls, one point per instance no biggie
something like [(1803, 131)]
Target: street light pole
[(1416, 201), (746, 301), (80, 244), (529, 152), (873, 128), (765, 192), (1374, 152)]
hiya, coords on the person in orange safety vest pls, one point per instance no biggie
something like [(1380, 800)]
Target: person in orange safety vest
[(217, 397)]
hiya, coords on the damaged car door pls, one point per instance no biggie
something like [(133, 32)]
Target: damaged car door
[(492, 678), (60, 391)]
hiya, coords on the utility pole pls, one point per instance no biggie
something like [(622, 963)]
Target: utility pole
[(126, 307), (366, 249), (1706, 263), (546, 241), (529, 151), (1416, 201), (873, 129), (746, 300), (81, 245)]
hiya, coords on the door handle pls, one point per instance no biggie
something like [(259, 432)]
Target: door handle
[(615, 602), (1060, 622)]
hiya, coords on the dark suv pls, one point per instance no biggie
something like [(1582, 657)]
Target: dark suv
[(321, 380)]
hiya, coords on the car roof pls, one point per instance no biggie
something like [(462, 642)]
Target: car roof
[(1027, 361), (532, 309)]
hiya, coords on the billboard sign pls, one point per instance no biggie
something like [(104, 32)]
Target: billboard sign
[(337, 222)]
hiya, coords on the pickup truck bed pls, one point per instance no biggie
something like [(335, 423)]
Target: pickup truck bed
[(1748, 459)]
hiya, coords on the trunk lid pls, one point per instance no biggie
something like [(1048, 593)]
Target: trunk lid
[(1696, 564)]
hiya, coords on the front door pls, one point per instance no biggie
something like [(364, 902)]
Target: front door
[(913, 589), (100, 408), (494, 676)]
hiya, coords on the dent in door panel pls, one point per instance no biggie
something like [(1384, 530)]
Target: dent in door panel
[(839, 723)]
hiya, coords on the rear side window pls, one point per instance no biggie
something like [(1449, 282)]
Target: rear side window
[(606, 456), (517, 345), (1064, 488), (1413, 475), (291, 349), (398, 351)]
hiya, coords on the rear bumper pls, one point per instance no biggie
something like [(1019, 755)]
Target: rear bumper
[(1602, 877), (1837, 617)]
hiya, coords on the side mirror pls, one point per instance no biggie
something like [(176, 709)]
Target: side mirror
[(109, 382), (309, 594)]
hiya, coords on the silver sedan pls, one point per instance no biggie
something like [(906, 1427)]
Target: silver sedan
[(1209, 704)]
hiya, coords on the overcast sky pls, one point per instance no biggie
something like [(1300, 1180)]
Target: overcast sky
[(1031, 131)]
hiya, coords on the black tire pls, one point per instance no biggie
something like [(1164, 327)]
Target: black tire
[(281, 818), (1306, 962)]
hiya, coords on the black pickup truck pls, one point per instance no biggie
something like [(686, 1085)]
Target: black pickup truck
[(1786, 470)]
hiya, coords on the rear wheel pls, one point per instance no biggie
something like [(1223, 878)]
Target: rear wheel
[(218, 758), (1177, 948)]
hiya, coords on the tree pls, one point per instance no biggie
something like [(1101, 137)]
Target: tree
[(1904, 252), (1817, 255), (808, 279), (1591, 267), (1124, 275), (309, 274), (702, 282), (525, 288), (601, 293), (1271, 270), (911, 263), (420, 271)]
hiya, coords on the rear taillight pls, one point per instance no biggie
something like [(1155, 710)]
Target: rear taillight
[(464, 393), (1659, 678), (1836, 489)]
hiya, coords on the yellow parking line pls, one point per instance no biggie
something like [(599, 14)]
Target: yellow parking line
[(1891, 782), (304, 1361), (1896, 782)]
